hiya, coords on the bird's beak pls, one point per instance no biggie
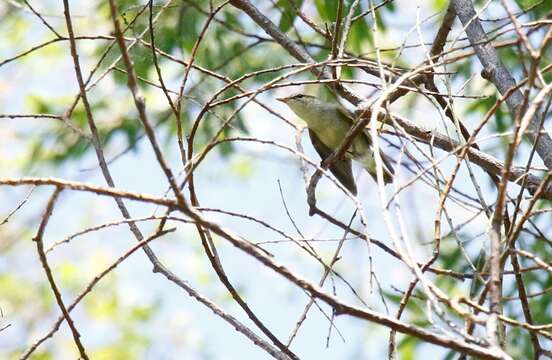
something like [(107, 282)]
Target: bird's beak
[(282, 99)]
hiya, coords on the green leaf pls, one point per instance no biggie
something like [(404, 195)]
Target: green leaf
[(502, 121), (327, 9), (526, 4), (288, 13), (141, 313), (39, 105), (360, 35), (42, 355), (242, 168), (331, 9), (407, 347), (440, 5), (187, 28)]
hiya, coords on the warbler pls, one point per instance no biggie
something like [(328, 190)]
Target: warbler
[(328, 123)]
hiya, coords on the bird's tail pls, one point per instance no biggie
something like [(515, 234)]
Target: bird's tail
[(369, 164)]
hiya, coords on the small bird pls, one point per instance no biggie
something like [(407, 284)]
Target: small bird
[(328, 124)]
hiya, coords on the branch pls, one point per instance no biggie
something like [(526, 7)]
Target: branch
[(340, 307), (73, 185), (495, 71), (487, 162), (44, 261), (297, 52)]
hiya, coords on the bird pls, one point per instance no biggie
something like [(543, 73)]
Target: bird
[(328, 123)]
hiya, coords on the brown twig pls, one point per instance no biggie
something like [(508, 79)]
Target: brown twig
[(38, 239)]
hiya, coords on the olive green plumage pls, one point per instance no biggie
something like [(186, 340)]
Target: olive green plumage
[(328, 124)]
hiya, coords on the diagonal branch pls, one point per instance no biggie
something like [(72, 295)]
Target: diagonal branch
[(487, 162), (38, 239), (495, 71), (339, 306)]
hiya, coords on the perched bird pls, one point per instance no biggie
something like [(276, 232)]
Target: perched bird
[(328, 124)]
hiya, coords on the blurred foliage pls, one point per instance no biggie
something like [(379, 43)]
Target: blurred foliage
[(109, 307), (502, 119), (289, 13), (538, 8), (224, 48)]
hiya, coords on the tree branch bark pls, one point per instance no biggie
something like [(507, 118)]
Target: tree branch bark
[(487, 162), (495, 71)]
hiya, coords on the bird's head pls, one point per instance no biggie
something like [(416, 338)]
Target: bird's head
[(309, 108), (299, 100)]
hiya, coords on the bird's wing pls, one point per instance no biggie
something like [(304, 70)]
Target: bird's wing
[(387, 165), (350, 117), (346, 113), (341, 168)]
